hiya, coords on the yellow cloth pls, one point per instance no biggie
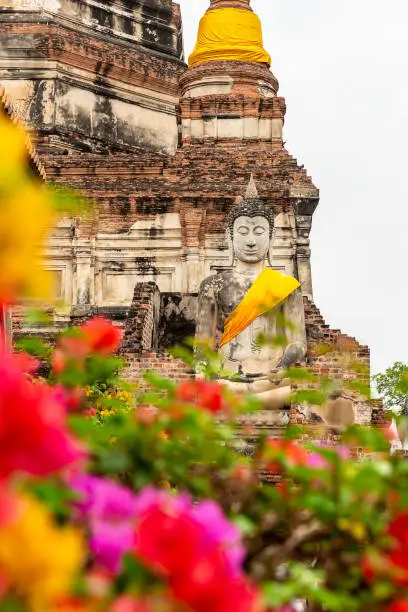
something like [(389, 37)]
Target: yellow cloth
[(267, 291), (229, 34)]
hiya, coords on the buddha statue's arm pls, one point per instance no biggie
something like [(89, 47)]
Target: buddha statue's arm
[(294, 330), (207, 318)]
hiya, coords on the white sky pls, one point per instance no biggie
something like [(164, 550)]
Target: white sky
[(342, 67)]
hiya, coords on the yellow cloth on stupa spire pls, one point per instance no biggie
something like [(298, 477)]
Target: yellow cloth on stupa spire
[(229, 34), (269, 290)]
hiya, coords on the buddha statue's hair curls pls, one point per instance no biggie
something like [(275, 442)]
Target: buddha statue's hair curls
[(250, 206)]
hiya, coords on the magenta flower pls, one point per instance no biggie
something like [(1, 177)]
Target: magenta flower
[(221, 531), (110, 510)]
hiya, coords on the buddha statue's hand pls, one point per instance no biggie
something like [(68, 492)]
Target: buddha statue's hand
[(293, 353), (277, 375)]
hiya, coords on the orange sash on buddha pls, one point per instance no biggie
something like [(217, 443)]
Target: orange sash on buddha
[(269, 290)]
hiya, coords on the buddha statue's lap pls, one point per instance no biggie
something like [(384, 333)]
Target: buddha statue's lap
[(239, 305)]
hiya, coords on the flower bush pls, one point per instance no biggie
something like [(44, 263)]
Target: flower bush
[(118, 500)]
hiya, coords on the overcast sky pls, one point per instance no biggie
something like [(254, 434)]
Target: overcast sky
[(342, 67)]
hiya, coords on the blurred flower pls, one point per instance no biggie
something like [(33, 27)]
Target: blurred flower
[(211, 517), (287, 451), (203, 394), (34, 437), (97, 336), (398, 556), (315, 461), (25, 219), (399, 606), (154, 603), (127, 603), (14, 141), (102, 336), (196, 548), (110, 510), (393, 563), (243, 474), (9, 505), (39, 559)]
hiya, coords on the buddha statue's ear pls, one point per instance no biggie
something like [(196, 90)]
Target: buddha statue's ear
[(231, 254), (270, 251), (270, 256)]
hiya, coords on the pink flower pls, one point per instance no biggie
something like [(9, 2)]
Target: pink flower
[(110, 510), (223, 532), (127, 603), (317, 462)]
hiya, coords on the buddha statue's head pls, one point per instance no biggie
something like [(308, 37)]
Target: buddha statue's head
[(250, 228)]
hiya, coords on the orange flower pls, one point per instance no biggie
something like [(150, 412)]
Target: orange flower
[(102, 336), (287, 451), (202, 394)]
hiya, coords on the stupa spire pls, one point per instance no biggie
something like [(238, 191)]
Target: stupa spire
[(239, 4), (230, 31), (251, 191)]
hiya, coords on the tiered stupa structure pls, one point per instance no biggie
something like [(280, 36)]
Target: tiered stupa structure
[(163, 151)]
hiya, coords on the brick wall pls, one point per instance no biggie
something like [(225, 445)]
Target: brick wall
[(141, 329)]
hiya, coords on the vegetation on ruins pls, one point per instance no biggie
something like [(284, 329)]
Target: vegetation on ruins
[(392, 385), (161, 506)]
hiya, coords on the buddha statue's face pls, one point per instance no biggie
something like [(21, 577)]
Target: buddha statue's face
[(251, 239)]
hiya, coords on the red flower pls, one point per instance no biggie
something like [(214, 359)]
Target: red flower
[(33, 433), (398, 556), (399, 530), (196, 562), (399, 606), (167, 542), (290, 452), (9, 508), (96, 336), (206, 584), (102, 336), (203, 394)]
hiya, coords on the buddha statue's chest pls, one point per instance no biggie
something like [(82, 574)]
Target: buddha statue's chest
[(231, 295)]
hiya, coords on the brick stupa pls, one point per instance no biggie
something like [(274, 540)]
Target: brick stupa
[(163, 151)]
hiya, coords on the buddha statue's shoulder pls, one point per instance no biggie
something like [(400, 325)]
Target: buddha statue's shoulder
[(215, 283)]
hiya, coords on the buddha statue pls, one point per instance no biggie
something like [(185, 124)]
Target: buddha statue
[(239, 305)]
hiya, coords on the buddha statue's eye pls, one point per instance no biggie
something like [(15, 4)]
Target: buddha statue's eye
[(243, 230), (258, 231)]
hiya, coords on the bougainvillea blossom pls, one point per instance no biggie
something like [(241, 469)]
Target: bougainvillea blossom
[(200, 560), (34, 436), (110, 511)]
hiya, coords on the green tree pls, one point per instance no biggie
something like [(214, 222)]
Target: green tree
[(393, 386)]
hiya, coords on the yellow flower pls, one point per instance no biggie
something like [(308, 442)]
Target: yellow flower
[(25, 219), (354, 528), (39, 559)]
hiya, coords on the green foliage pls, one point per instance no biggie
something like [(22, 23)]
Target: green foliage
[(328, 511), (392, 385)]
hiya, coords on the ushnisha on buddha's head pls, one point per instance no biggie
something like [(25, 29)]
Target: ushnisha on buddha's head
[(250, 228)]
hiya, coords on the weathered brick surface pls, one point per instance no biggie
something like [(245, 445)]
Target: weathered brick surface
[(160, 363), (200, 181), (141, 329)]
